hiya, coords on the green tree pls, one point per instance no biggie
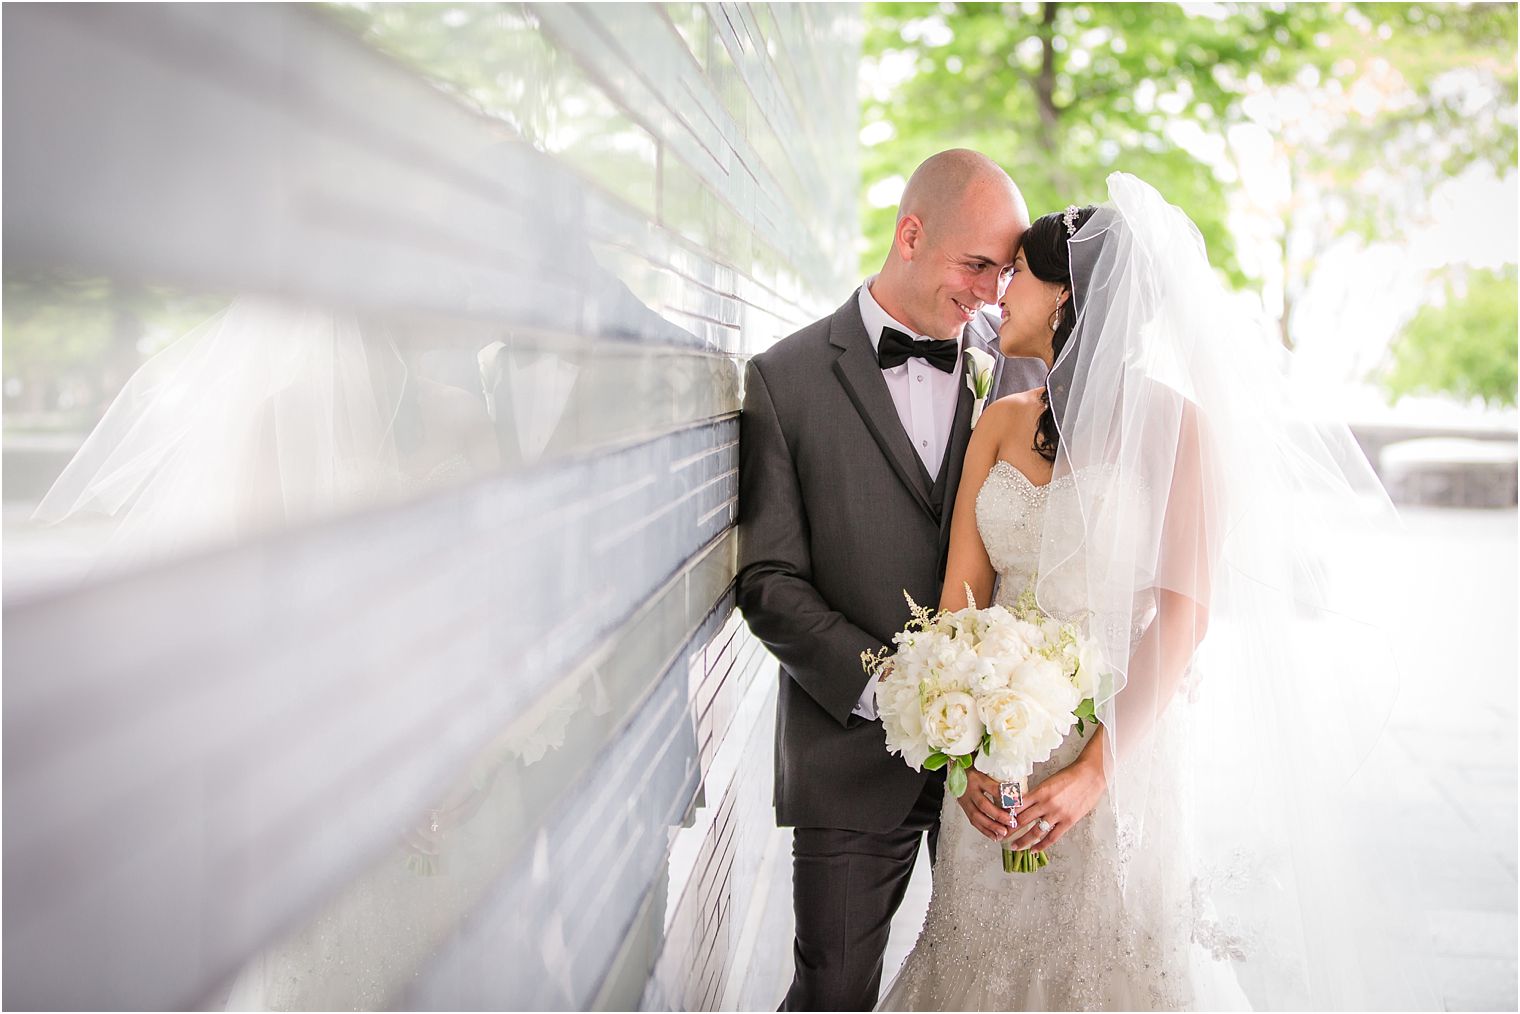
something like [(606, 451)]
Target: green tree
[(71, 342), (497, 59), (1368, 106), (1062, 94), (1466, 346), (1411, 96)]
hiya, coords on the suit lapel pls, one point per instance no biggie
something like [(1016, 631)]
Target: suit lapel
[(955, 453), (861, 378), (981, 333)]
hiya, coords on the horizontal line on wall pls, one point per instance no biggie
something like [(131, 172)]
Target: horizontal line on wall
[(47, 689), (574, 837)]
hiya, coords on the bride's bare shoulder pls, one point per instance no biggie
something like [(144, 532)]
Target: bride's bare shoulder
[(1007, 423), (1015, 411), (1030, 400)]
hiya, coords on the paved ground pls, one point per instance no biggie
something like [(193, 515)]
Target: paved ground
[(1451, 737), (1455, 728)]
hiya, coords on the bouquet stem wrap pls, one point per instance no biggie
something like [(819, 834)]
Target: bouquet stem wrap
[(1019, 860)]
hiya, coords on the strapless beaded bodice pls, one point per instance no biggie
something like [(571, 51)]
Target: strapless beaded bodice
[(1009, 512), (1010, 517)]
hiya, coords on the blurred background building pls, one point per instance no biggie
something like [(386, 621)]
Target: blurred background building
[(429, 692)]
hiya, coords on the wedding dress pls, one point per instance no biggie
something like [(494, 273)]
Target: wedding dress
[(1062, 938)]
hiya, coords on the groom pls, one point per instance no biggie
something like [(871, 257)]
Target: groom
[(850, 453)]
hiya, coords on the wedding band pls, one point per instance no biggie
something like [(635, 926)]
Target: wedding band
[(1044, 825)]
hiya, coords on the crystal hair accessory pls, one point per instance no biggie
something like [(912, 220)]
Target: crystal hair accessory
[(1069, 216)]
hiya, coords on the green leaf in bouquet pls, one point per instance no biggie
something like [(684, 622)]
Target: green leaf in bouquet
[(935, 761), (956, 782), (965, 760)]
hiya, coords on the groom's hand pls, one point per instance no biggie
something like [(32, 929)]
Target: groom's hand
[(981, 802)]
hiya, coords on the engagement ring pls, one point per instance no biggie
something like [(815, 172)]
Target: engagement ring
[(1044, 825)]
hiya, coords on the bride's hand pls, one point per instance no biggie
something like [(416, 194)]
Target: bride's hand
[(982, 802), (1063, 799)]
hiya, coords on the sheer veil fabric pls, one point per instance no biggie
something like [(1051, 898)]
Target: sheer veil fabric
[(1194, 548), (268, 412)]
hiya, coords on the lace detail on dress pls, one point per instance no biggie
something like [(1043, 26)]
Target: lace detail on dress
[(1210, 934), (1065, 938), (1128, 838)]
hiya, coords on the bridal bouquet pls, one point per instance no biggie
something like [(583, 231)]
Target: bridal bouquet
[(995, 689)]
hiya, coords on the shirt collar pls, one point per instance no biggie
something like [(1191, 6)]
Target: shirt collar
[(875, 318)]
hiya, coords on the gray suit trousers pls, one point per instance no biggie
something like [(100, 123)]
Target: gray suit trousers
[(846, 887)]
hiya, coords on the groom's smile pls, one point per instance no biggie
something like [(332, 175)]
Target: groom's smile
[(968, 272)]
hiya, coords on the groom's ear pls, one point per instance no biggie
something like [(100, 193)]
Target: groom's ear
[(909, 236)]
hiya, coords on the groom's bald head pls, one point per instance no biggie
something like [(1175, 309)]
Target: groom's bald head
[(944, 183), (958, 225)]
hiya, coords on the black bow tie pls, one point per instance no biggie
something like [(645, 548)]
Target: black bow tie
[(896, 348)]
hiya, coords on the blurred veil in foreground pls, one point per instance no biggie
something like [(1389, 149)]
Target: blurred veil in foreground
[(269, 413)]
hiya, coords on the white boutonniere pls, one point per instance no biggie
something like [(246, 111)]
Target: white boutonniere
[(979, 379)]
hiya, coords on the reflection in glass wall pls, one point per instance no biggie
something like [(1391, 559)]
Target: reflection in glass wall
[(371, 378), (237, 417)]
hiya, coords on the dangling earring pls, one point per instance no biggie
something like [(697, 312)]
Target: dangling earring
[(1055, 316)]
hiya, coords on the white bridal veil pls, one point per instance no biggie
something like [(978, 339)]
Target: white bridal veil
[(268, 412), (1207, 503)]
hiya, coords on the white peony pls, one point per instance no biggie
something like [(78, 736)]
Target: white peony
[(1044, 682), (1004, 645), (1023, 734), (951, 663), (968, 664), (943, 652), (913, 655), (1031, 634), (1070, 657), (996, 616), (897, 704), (994, 645), (1089, 670), (953, 725), (988, 676)]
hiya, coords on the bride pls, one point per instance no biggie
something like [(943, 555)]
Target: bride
[(1161, 488)]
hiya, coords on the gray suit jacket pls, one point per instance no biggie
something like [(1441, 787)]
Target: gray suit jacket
[(836, 521)]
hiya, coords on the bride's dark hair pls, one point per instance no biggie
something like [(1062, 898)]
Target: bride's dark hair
[(1049, 260)]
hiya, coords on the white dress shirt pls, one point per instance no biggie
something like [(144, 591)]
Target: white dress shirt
[(925, 399)]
